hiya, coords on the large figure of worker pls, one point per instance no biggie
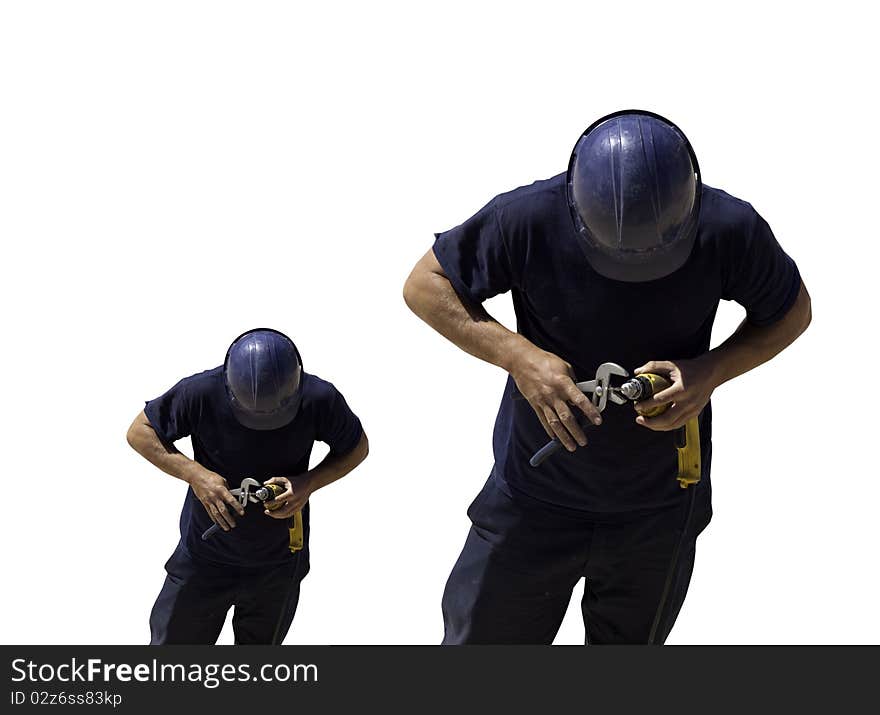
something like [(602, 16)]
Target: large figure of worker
[(253, 422), (623, 258)]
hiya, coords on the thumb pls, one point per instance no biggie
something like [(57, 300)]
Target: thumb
[(661, 367), (647, 367)]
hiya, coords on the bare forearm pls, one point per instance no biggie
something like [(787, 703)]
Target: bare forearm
[(144, 440), (430, 295), (751, 345), (545, 380), (334, 467)]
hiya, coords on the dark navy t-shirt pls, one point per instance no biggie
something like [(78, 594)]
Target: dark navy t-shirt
[(198, 407), (524, 242)]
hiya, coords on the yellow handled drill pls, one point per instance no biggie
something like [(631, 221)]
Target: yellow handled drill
[(269, 492), (687, 438)]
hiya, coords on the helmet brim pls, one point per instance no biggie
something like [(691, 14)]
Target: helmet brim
[(651, 268), (265, 421)]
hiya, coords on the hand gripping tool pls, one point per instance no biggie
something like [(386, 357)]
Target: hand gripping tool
[(251, 491), (600, 391), (244, 495)]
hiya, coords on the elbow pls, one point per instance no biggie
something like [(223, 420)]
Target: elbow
[(806, 309), (131, 437), (808, 317), (421, 283), (410, 290), (134, 435), (364, 447)]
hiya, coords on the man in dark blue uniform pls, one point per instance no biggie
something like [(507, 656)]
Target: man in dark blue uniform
[(257, 416), (623, 259)]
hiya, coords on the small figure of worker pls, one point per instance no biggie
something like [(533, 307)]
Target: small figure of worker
[(255, 417), (622, 258)]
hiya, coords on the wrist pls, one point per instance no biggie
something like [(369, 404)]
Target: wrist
[(515, 353), (191, 472), (716, 367), (309, 481)]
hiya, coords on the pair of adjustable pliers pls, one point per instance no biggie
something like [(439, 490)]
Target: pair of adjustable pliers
[(244, 494), (600, 391)]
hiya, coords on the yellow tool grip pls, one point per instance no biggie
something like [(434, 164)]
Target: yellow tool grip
[(296, 532), (296, 521), (687, 442)]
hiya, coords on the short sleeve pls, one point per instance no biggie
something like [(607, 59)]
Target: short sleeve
[(171, 414), (337, 426), (475, 258), (759, 275)]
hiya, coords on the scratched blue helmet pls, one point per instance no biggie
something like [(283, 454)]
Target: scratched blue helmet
[(634, 191), (263, 377)]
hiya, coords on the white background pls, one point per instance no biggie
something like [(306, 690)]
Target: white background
[(173, 173)]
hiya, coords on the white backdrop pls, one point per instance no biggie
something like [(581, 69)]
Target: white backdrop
[(173, 173)]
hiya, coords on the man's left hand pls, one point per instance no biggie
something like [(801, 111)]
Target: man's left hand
[(692, 385), (296, 493)]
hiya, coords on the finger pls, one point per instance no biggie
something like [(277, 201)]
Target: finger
[(285, 512), (673, 418), (647, 410), (539, 413), (582, 402), (278, 502), (664, 397), (281, 498), (570, 423), (214, 513), (225, 514), (233, 502), (657, 366), (675, 390), (559, 430), (683, 418)]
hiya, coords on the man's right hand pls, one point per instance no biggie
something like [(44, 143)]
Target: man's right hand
[(211, 489), (546, 381)]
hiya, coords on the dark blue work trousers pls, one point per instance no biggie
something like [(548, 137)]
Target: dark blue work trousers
[(193, 603), (521, 561)]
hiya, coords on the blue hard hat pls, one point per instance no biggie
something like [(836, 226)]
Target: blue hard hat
[(634, 189), (263, 377)]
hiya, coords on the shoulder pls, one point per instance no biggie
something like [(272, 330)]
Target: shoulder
[(317, 391), (529, 210), (533, 200), (322, 400), (178, 411), (202, 385), (724, 214)]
